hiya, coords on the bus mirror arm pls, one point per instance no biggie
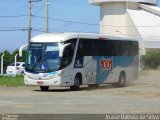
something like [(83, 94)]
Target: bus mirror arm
[(21, 49), (63, 48)]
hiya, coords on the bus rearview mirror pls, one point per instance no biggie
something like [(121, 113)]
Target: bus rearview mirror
[(62, 48), (21, 49)]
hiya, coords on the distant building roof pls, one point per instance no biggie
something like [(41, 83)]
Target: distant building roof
[(98, 2), (148, 25)]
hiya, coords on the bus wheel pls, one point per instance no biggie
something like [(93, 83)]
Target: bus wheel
[(122, 80), (76, 83), (22, 72), (92, 86), (44, 88)]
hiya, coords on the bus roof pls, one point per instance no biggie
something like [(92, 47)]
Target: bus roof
[(61, 37)]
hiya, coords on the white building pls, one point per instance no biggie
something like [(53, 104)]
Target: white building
[(137, 18)]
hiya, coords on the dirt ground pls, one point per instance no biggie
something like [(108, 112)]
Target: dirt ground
[(140, 96)]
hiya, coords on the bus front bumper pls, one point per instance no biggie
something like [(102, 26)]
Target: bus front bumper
[(38, 82)]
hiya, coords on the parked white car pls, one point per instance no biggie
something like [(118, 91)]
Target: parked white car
[(20, 66)]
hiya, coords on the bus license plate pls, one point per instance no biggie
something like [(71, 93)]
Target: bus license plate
[(40, 82)]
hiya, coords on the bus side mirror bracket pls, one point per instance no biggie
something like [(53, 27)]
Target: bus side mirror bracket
[(21, 49)]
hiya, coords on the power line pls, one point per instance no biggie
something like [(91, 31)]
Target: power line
[(7, 30), (41, 30), (10, 16), (76, 22), (73, 21), (65, 20), (67, 2), (13, 27), (38, 10), (94, 24), (62, 30), (29, 18)]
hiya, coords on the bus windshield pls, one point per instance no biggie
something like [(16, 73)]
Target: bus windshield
[(43, 57)]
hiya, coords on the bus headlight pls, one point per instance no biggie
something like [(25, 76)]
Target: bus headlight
[(58, 74)]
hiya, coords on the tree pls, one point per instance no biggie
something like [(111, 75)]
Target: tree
[(9, 58), (151, 60), (20, 59)]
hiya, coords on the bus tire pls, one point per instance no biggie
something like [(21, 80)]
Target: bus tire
[(44, 88), (77, 83), (22, 72), (122, 79)]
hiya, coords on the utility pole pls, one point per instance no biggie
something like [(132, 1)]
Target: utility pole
[(47, 16), (29, 20)]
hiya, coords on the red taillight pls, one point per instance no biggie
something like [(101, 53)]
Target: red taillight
[(17, 68)]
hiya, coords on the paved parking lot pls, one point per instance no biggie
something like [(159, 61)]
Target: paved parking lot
[(141, 96)]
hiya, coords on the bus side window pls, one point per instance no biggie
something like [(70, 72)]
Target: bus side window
[(113, 48), (67, 56)]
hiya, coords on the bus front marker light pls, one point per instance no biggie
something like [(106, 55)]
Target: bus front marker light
[(59, 74)]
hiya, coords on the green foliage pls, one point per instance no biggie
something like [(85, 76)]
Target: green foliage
[(151, 60), (9, 58)]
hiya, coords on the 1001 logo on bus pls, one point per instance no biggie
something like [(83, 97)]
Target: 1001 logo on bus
[(106, 64)]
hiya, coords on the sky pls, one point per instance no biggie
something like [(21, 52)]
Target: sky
[(64, 15)]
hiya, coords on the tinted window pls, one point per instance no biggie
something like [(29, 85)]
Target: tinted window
[(95, 47), (68, 52), (67, 56), (73, 43), (128, 48), (13, 64)]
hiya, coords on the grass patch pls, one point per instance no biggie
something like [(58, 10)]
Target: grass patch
[(12, 81)]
